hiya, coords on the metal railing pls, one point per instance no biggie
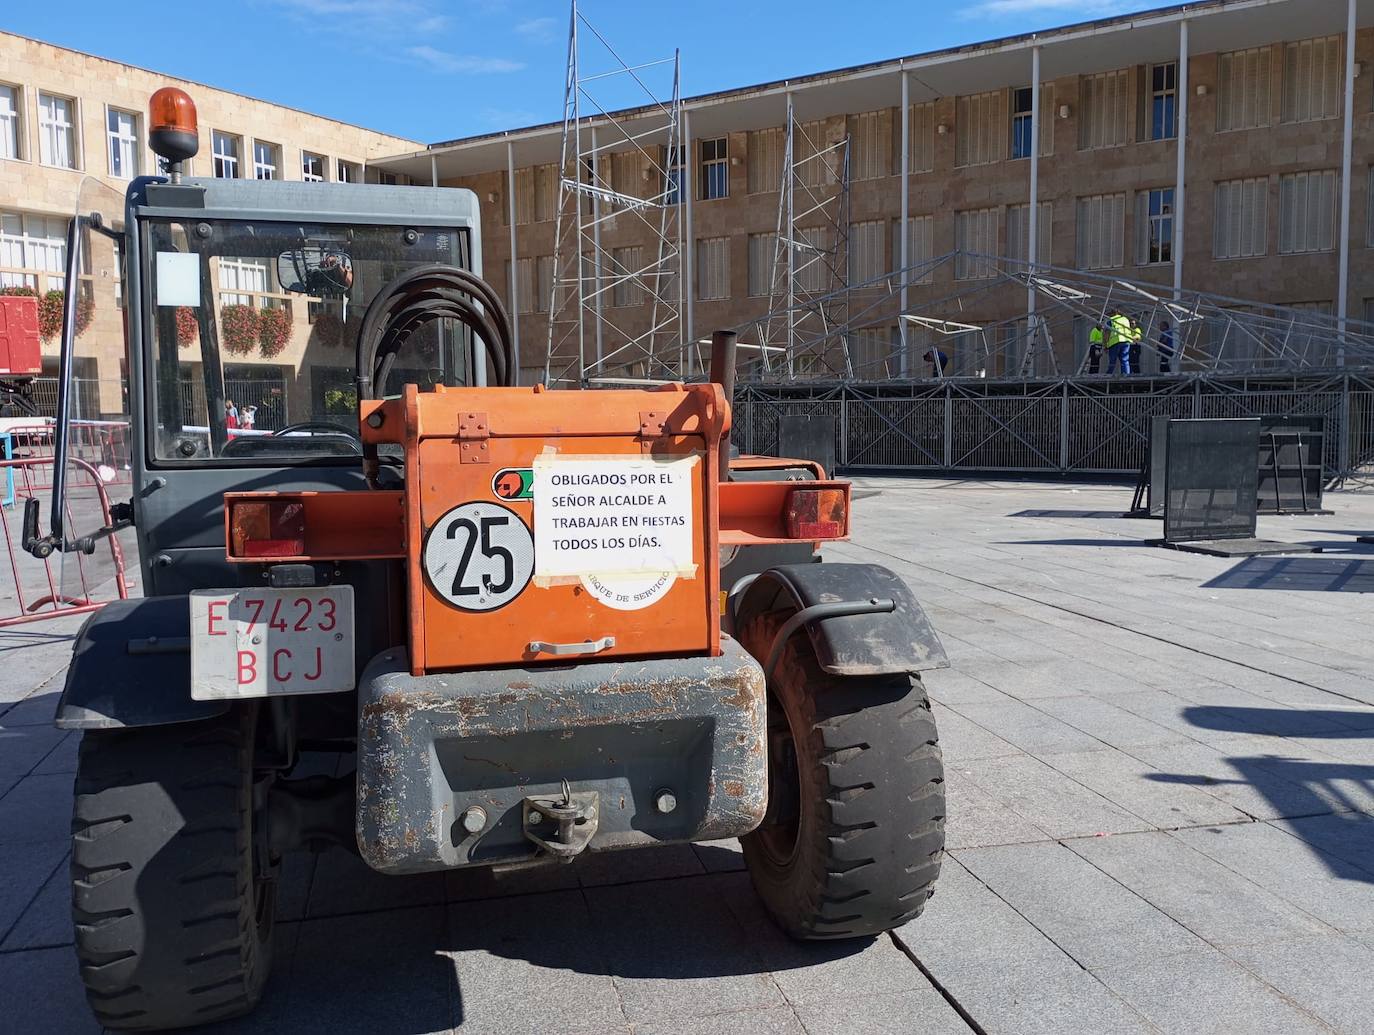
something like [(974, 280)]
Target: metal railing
[(1064, 426)]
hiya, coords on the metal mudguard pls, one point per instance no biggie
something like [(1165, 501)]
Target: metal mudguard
[(900, 639), (131, 666), (433, 747)]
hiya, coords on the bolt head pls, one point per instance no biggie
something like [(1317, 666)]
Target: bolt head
[(474, 819), (665, 802)]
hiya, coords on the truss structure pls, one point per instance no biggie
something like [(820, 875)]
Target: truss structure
[(809, 281), (1195, 333), (615, 313)]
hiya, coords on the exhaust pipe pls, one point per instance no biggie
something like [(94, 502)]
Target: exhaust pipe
[(723, 374)]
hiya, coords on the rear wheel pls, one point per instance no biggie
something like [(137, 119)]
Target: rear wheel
[(852, 840), (172, 890)]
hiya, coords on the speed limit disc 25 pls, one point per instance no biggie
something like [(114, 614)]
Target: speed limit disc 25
[(479, 556)]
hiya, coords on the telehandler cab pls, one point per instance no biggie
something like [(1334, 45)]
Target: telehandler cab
[(535, 623)]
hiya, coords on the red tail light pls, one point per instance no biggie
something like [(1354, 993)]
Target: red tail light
[(272, 528), (816, 513)]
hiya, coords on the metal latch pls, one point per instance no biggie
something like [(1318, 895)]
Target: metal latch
[(653, 424), (574, 816), (473, 431), (565, 649)]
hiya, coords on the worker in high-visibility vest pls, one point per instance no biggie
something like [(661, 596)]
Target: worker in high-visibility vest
[(1137, 333), (1119, 343), (1096, 340)]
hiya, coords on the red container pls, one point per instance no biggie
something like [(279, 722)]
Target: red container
[(19, 343)]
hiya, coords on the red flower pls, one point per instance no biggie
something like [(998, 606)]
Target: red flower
[(274, 331), (188, 330), (238, 328)]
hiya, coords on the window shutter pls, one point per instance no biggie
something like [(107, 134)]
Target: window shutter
[(762, 250), (922, 139), (1047, 120), (765, 156)]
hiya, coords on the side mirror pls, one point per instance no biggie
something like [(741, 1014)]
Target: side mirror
[(316, 270)]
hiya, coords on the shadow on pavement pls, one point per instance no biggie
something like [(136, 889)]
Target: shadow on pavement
[(1303, 574), (1105, 541), (1066, 514), (1325, 803)]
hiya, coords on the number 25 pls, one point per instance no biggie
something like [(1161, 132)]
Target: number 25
[(460, 586)]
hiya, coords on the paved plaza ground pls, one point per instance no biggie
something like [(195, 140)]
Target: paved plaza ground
[(1160, 772)]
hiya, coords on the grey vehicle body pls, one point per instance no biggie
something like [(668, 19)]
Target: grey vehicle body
[(431, 750)]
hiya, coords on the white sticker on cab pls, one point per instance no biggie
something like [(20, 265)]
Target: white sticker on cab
[(613, 516)]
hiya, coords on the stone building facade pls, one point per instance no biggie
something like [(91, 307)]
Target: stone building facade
[(1262, 174), (72, 124)]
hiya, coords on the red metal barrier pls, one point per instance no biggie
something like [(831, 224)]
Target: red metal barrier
[(32, 576), (102, 445)]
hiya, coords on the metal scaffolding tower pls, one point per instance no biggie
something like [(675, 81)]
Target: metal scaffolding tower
[(808, 285), (616, 313), (1193, 333)]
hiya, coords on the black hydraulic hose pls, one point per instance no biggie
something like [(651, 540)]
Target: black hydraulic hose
[(396, 307), (423, 294)]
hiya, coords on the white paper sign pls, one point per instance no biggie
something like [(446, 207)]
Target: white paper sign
[(613, 516), (178, 279)]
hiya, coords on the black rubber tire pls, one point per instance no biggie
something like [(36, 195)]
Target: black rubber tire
[(870, 800), (172, 928)]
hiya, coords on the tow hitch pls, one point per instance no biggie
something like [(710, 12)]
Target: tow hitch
[(575, 816)]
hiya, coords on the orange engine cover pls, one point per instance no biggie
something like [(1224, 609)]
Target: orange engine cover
[(553, 527)]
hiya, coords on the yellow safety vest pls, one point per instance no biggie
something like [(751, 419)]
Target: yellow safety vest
[(1121, 330)]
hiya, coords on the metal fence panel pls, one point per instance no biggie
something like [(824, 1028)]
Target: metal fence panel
[(1060, 426)]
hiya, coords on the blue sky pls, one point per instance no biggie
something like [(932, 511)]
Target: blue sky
[(439, 69)]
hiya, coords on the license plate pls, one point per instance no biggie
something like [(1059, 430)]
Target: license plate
[(263, 642)]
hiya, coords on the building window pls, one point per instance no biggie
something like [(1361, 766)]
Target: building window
[(870, 145), (1018, 233), (1101, 231), (1163, 101), (1022, 98), (763, 250), (1313, 79), (715, 169), (312, 167), (265, 160), (1307, 212), (765, 153), (814, 161), (866, 251), (1240, 227), (981, 128), (1369, 211), (975, 238), (626, 266), (1102, 110), (1243, 98), (525, 295), (920, 249), (869, 351), (348, 172), (674, 163), (244, 281), (122, 127), (9, 121), (226, 150), (33, 251), (387, 179), (922, 137), (1154, 226), (56, 136), (713, 268), (813, 259)]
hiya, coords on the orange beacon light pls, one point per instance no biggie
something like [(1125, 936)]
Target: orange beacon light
[(172, 130)]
